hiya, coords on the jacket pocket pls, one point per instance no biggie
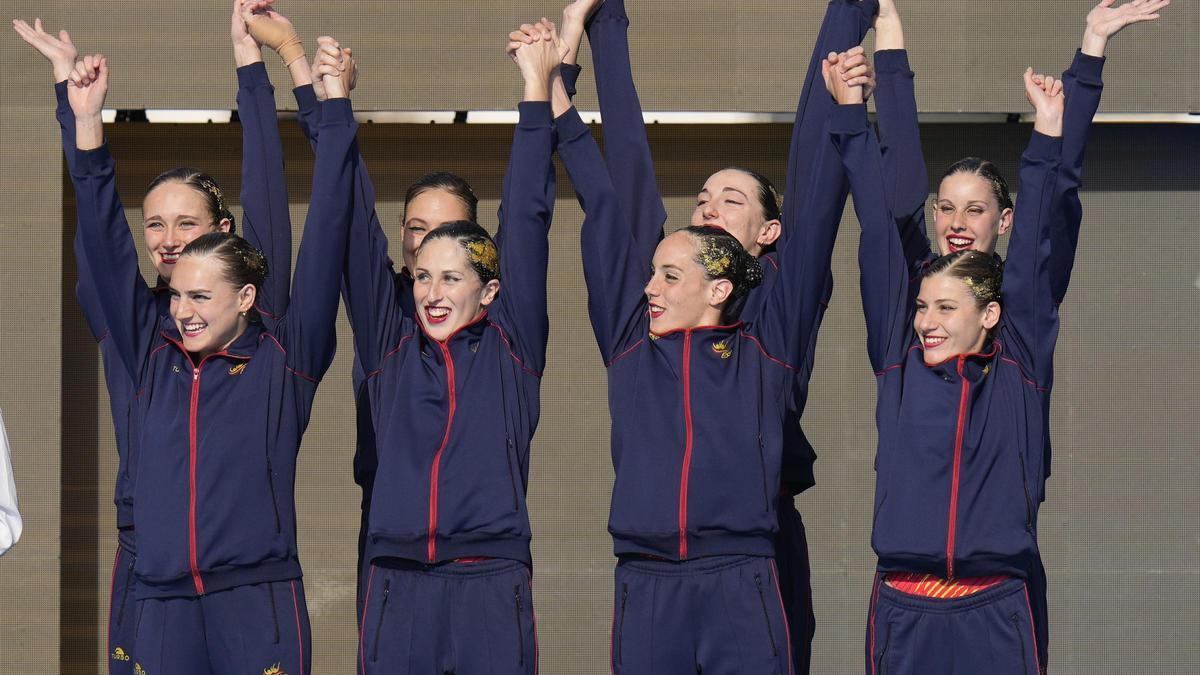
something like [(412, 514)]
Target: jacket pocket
[(762, 465), (274, 502), (125, 592), (509, 451), (387, 591), (1025, 487)]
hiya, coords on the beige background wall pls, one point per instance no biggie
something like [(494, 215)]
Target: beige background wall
[(1120, 533)]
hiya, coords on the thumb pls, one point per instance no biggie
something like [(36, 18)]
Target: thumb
[(65, 37)]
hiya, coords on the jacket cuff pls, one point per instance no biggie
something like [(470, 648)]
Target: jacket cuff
[(534, 113), (1088, 68), (570, 125), (892, 61), (570, 77), (93, 162), (337, 112), (253, 75), (60, 94), (1043, 146), (848, 119), (306, 97)]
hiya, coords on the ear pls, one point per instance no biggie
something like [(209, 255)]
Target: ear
[(991, 315), (246, 296), (225, 225), (769, 232), (490, 290), (1006, 221), (719, 291)]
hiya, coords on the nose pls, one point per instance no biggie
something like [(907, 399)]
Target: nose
[(651, 289), (171, 237), (709, 210), (958, 224), (925, 322)]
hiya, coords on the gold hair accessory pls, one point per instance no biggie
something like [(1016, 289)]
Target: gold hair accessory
[(482, 252), (985, 289), (715, 261), (778, 198), (216, 192)]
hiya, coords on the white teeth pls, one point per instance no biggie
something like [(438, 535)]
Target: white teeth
[(438, 312), (194, 327), (959, 241)]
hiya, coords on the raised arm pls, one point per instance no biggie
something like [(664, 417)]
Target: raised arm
[(626, 147), (308, 329), (267, 223), (1083, 85), (1030, 318), (527, 205), (108, 257), (900, 137), (883, 267)]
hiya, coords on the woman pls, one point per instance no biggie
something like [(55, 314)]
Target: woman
[(189, 203), (434, 199), (699, 411), (220, 408), (454, 393), (972, 209), (963, 374)]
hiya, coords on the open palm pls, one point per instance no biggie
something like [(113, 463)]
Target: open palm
[(59, 51), (1105, 20)]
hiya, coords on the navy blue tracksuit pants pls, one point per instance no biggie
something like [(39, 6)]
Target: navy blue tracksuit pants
[(259, 628), (462, 618), (721, 615), (122, 609), (795, 582), (989, 633)]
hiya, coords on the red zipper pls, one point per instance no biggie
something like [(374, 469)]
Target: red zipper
[(193, 411), (431, 546), (687, 446), (958, 441)]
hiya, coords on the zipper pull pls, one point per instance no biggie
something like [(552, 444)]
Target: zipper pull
[(195, 374)]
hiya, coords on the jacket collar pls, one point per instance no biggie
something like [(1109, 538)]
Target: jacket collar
[(717, 332), (243, 347), (474, 329)]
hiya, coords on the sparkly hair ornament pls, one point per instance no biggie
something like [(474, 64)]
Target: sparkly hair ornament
[(481, 250), (722, 257), (983, 273)]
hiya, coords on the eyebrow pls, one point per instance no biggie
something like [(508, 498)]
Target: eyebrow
[(411, 221), (182, 216), (733, 189)]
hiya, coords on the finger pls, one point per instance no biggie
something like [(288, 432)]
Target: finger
[(65, 37), (858, 81), (37, 25), (832, 58), (1058, 89), (855, 60), (856, 50)]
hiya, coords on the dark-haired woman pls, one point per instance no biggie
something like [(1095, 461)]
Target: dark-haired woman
[(972, 208), (222, 401), (699, 406), (454, 391), (962, 362), (180, 204)]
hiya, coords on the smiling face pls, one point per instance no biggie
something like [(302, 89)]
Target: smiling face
[(209, 312), (424, 213), (679, 294), (730, 201), (966, 215), (447, 290), (175, 214), (949, 321)]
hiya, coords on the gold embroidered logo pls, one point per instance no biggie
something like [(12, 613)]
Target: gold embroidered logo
[(722, 348), (119, 654), (138, 669), (238, 369), (274, 670)]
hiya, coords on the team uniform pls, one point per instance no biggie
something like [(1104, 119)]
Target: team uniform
[(267, 226), (961, 446), (218, 579), (693, 514), (907, 190), (449, 530)]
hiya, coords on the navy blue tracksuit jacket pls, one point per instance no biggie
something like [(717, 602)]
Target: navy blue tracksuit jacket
[(218, 438), (815, 191), (454, 420), (697, 415), (266, 224), (959, 465)]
